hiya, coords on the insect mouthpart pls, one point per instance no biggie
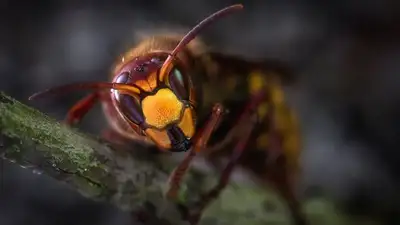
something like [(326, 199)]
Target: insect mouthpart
[(171, 122), (179, 142)]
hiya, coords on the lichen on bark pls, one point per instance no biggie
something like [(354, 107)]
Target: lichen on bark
[(131, 181)]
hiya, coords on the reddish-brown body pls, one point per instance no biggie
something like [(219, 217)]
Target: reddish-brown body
[(151, 52), (110, 106), (163, 90)]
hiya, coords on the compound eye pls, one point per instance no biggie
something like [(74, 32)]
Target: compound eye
[(131, 108), (129, 105), (179, 83), (123, 78)]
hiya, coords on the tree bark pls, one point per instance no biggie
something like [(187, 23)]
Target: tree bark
[(127, 178)]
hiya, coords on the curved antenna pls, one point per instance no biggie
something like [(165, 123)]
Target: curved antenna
[(86, 86), (194, 32), (168, 62)]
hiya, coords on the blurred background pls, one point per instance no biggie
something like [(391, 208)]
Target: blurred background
[(345, 54)]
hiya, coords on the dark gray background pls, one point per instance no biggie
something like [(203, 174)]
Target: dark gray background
[(345, 54)]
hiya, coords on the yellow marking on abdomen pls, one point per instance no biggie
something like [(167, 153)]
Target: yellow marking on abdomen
[(284, 118), (256, 82)]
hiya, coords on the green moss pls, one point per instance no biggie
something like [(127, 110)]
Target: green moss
[(134, 182), (24, 123), (63, 148), (246, 205)]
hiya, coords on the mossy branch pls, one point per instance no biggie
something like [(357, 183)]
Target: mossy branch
[(132, 182)]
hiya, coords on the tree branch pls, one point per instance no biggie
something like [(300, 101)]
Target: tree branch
[(124, 177)]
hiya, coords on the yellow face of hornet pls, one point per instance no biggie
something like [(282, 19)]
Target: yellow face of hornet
[(163, 107), (166, 113)]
